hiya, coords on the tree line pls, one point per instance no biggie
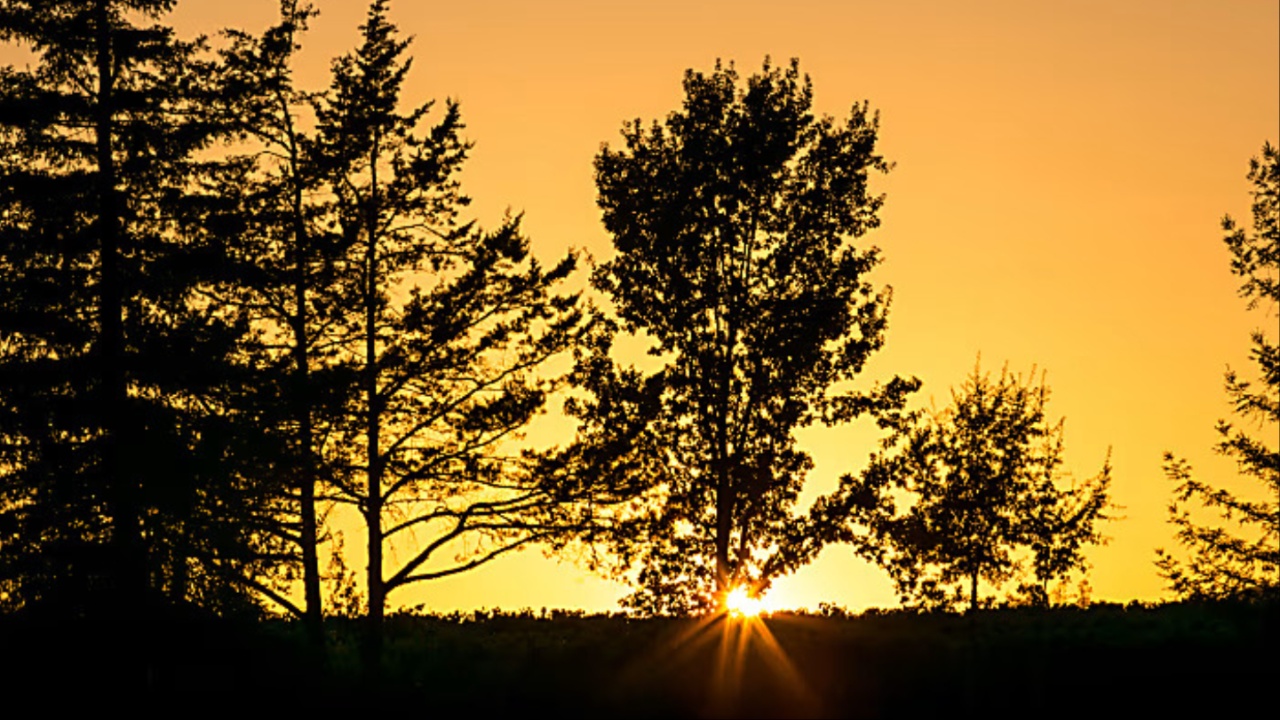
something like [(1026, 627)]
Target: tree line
[(231, 304)]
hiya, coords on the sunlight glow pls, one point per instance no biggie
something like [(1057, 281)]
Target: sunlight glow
[(739, 603)]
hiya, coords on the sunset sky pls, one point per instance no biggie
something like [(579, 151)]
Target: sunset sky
[(1062, 169)]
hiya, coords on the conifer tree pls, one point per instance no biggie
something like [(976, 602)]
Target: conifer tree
[(120, 476), (269, 206), (1240, 555), (454, 324)]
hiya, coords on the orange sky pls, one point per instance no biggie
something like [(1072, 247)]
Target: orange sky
[(1062, 169)]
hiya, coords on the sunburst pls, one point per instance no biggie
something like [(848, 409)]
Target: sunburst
[(739, 637), (740, 603)]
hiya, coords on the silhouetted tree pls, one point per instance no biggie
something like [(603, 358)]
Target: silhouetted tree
[(1244, 559), (735, 223), (982, 497), (454, 326), (119, 472), (270, 207)]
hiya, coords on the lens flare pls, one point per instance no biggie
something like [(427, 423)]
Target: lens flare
[(740, 603)]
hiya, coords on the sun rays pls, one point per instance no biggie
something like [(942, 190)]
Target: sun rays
[(735, 655)]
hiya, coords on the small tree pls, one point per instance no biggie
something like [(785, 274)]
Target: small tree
[(1223, 561), (984, 497), (737, 224)]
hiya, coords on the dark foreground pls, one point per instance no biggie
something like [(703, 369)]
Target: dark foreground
[(1184, 659)]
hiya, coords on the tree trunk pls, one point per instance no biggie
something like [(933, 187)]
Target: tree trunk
[(127, 574), (723, 525), (973, 590), (725, 500), (373, 410), (373, 509), (372, 650), (129, 567), (313, 618)]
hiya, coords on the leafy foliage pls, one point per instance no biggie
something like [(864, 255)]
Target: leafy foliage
[(1221, 560), (982, 497), (736, 224)]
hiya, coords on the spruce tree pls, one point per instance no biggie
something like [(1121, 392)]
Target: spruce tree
[(121, 481)]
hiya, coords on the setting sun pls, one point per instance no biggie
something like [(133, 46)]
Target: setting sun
[(741, 604)]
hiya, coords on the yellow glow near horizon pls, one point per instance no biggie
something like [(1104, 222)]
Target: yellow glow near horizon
[(1061, 170)]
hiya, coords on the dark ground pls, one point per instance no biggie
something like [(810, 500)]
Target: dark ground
[(1182, 660)]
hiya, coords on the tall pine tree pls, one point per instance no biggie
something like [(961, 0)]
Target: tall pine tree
[(120, 476)]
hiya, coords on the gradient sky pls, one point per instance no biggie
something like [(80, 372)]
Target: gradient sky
[(1062, 170)]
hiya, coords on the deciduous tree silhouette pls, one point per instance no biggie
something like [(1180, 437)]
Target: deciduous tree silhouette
[(982, 497), (1221, 560), (120, 479), (737, 224), (455, 325)]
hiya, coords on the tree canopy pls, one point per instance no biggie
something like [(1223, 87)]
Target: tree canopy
[(738, 225), (976, 492)]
